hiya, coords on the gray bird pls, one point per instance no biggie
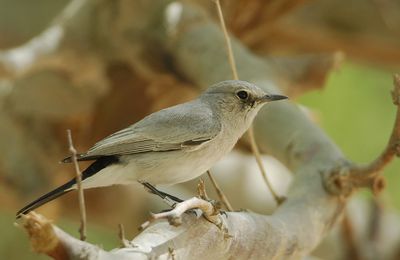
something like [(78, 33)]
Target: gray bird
[(172, 145)]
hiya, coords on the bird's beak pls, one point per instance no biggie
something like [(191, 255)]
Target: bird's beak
[(269, 98)]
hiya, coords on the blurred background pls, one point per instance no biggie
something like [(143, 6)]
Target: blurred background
[(92, 85)]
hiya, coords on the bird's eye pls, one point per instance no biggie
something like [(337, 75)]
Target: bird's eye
[(242, 95)]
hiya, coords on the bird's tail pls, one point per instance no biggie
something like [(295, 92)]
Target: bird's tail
[(94, 168), (65, 188)]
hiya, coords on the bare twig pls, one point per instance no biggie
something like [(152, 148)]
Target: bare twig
[(257, 155), (220, 193), (368, 175), (343, 181), (201, 190), (121, 236), (231, 57), (82, 208), (253, 143), (171, 253)]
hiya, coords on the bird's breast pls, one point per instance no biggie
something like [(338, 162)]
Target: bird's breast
[(183, 165)]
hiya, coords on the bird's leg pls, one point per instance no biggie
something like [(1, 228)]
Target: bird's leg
[(209, 209), (216, 209), (172, 197), (201, 190), (169, 199)]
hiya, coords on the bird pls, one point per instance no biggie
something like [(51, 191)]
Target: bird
[(170, 146)]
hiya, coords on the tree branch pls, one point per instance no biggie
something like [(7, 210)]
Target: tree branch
[(220, 193), (392, 148), (357, 176)]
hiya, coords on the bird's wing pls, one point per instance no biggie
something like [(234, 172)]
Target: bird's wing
[(185, 126)]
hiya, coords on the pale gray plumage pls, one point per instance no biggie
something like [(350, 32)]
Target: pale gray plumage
[(175, 128), (173, 145)]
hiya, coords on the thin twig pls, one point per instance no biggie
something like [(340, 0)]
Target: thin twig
[(171, 253), (121, 236), (82, 208), (220, 193), (365, 175), (344, 181), (227, 41), (257, 155), (201, 190), (253, 143)]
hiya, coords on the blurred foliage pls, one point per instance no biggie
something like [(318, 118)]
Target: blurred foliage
[(355, 109), (24, 19)]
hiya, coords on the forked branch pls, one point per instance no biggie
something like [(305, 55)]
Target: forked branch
[(392, 148), (356, 176)]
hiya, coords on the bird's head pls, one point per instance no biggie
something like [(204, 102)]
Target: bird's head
[(238, 99)]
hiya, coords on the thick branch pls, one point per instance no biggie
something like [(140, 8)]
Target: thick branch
[(52, 241)]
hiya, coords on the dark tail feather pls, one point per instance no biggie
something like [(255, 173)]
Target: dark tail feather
[(46, 198), (95, 167)]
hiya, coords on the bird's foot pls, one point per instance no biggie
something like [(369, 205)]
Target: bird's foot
[(195, 204), (211, 209), (215, 214)]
